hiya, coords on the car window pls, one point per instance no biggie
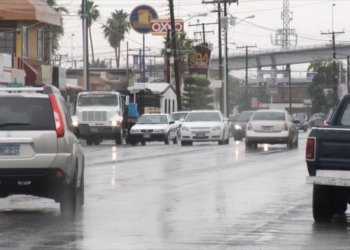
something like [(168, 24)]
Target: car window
[(345, 119), (152, 119), (269, 116), (26, 113), (178, 116), (97, 100), (204, 117), (245, 117)]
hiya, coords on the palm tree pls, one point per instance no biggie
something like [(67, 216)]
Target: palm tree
[(115, 29), (98, 64), (93, 15), (57, 31)]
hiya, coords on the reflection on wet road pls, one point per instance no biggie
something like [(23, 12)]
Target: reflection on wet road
[(172, 197)]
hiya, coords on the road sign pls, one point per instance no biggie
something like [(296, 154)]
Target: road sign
[(15, 85), (272, 81), (271, 86), (141, 17), (159, 27)]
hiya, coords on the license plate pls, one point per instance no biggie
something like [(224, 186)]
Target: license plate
[(200, 135), (267, 128), (146, 135), (93, 129), (10, 150)]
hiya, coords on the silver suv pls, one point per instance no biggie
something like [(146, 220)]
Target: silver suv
[(40, 154)]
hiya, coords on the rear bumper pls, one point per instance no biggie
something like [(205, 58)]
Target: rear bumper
[(153, 137), (239, 133), (37, 182), (272, 138), (204, 136)]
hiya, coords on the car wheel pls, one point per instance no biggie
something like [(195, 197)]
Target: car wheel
[(143, 143), (89, 141), (166, 140), (248, 144), (119, 137), (97, 142), (175, 140), (340, 207), (68, 203), (322, 203), (227, 141), (133, 143), (290, 144)]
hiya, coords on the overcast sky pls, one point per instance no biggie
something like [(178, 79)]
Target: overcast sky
[(309, 19)]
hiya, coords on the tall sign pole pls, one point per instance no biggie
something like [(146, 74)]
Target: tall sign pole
[(85, 47)]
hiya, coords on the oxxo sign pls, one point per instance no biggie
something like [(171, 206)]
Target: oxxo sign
[(159, 27)]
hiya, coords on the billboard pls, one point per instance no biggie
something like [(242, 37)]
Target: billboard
[(199, 60), (272, 86), (160, 27), (140, 18)]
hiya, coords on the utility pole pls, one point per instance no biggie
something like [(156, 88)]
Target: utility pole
[(290, 87), (86, 84), (175, 54), (168, 54), (246, 72), (127, 63), (203, 30), (226, 63), (220, 60), (335, 82)]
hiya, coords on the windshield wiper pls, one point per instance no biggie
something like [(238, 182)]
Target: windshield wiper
[(14, 124)]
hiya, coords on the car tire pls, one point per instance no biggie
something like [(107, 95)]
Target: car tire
[(227, 141), (143, 143), (166, 140), (340, 207), (248, 144), (119, 137), (290, 144), (133, 143), (89, 141), (97, 142), (175, 140), (68, 202), (322, 206)]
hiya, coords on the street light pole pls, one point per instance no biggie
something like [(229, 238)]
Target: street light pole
[(85, 48)]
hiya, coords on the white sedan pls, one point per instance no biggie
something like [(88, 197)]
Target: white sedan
[(153, 127), (205, 125), (271, 127)]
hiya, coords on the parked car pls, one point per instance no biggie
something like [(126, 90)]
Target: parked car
[(271, 127), (238, 128)]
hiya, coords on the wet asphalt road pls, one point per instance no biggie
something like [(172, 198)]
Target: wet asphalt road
[(172, 197)]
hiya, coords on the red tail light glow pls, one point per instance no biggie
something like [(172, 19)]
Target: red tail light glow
[(325, 123), (285, 127), (249, 126), (310, 149), (57, 116)]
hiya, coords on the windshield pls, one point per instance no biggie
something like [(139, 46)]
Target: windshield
[(203, 117), (269, 116), (152, 119), (245, 117), (178, 116), (98, 100), (301, 118)]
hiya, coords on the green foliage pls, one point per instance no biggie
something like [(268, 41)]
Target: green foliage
[(322, 100), (197, 94), (98, 64)]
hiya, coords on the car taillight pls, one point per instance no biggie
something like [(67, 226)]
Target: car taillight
[(57, 116), (325, 123), (249, 126), (310, 149), (285, 127)]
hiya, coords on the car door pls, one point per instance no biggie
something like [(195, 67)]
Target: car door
[(172, 127)]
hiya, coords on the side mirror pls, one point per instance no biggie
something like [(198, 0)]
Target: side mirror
[(172, 122), (319, 123), (182, 120)]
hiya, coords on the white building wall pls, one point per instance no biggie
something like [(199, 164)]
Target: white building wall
[(169, 95)]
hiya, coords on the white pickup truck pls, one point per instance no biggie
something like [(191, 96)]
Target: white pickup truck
[(99, 115)]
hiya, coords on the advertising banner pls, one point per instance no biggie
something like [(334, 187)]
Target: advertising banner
[(140, 18), (160, 27), (199, 60)]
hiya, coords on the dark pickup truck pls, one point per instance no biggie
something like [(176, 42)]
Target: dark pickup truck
[(328, 162)]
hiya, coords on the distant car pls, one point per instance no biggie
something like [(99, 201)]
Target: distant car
[(205, 125), (238, 128), (302, 124), (179, 117), (301, 114), (271, 127), (153, 127), (316, 116)]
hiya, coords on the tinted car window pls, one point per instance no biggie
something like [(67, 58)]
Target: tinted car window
[(269, 116), (178, 116), (26, 113), (245, 117), (345, 119)]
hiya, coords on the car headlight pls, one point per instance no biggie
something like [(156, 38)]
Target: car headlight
[(159, 130), (134, 131), (115, 123), (216, 128), (184, 128), (238, 127), (75, 123)]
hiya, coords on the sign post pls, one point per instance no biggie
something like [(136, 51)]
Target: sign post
[(140, 20)]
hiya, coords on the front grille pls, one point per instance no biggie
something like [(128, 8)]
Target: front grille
[(200, 132), (94, 116), (146, 130), (202, 128)]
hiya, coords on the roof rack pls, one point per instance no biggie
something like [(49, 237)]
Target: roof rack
[(45, 90)]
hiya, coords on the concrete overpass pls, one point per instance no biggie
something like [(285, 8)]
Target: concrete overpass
[(279, 57)]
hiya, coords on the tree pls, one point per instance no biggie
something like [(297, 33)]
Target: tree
[(93, 15), (321, 89), (56, 31), (197, 94), (184, 48), (115, 29), (98, 64)]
